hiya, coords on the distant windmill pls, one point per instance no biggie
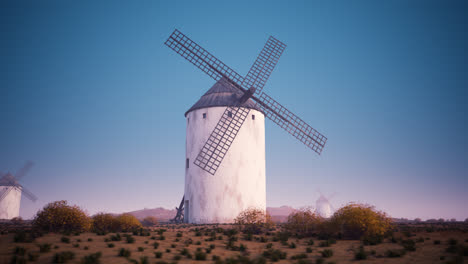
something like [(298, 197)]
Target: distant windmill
[(214, 121), (10, 192), (323, 207)]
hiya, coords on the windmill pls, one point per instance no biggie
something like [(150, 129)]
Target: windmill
[(214, 121), (323, 207), (10, 192)]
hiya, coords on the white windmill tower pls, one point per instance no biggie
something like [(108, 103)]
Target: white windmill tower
[(229, 175), (10, 193), (323, 207)]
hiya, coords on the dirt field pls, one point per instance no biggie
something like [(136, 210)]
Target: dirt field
[(180, 245)]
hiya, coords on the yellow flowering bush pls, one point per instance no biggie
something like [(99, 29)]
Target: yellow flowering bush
[(253, 221), (104, 223), (304, 223), (128, 222), (360, 221), (150, 221), (60, 217)]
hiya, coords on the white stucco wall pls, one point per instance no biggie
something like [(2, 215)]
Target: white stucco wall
[(10, 205), (239, 183)]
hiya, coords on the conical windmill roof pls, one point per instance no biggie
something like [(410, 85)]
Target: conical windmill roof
[(222, 93)]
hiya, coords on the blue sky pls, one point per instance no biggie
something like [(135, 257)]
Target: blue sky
[(93, 97)]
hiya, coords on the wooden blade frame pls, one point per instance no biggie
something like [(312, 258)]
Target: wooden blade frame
[(217, 145)]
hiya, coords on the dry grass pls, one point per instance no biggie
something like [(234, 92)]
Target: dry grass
[(183, 244)]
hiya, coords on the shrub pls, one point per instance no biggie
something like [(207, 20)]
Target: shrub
[(179, 234), (105, 223), (124, 253), (92, 258), (116, 237), (274, 254), (17, 259), (253, 221), (395, 253), (155, 245), (304, 223), (452, 241), (63, 257), (144, 260), (299, 256), (60, 217), (361, 254), (200, 255), (409, 244), (436, 242), (45, 247), (65, 239), (110, 245), (308, 249), (327, 253), (33, 256), (357, 221), (130, 239), (141, 249), (23, 237), (20, 251), (158, 254), (128, 222)]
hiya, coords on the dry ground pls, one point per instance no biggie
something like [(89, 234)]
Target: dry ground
[(343, 250)]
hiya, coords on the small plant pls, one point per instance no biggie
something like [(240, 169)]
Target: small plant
[(76, 245), (308, 249), (409, 244), (200, 255), (63, 257), (161, 237), (212, 246), (325, 243), (23, 237), (20, 251), (310, 242), (15, 259), (65, 239), (110, 245), (155, 245), (124, 253), (184, 252), (299, 256), (361, 254), (452, 242), (86, 248), (92, 258), (141, 249), (292, 245), (158, 254), (173, 245), (130, 239), (436, 242), (274, 254), (45, 247), (395, 253), (168, 250), (116, 237), (90, 240), (320, 261), (269, 245), (242, 248), (33, 256), (327, 253), (198, 243), (179, 234), (144, 260)]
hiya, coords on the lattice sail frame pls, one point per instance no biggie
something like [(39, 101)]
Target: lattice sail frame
[(219, 141)]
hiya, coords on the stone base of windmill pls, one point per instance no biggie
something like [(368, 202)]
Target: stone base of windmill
[(10, 205)]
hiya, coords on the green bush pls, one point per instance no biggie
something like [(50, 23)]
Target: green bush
[(63, 257), (130, 239), (395, 253), (141, 249), (144, 260), (200, 255), (65, 239), (274, 254), (327, 253), (110, 245), (24, 237), (299, 256), (158, 254), (409, 244), (124, 253), (45, 247), (61, 217), (92, 258), (361, 254)]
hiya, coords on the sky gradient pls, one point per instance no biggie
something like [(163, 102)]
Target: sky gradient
[(93, 97)]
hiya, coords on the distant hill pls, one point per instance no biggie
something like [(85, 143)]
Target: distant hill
[(279, 214)]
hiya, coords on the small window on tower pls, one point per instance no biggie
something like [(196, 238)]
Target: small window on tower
[(187, 163), (188, 119), (229, 114), (204, 115), (253, 117)]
